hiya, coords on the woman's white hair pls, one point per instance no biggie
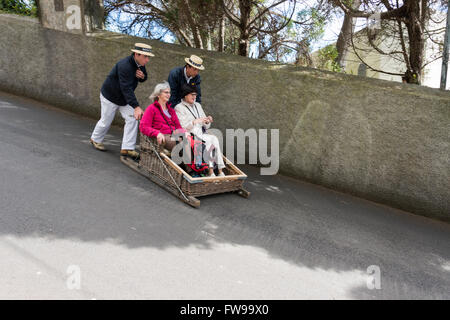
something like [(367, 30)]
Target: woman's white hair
[(160, 87)]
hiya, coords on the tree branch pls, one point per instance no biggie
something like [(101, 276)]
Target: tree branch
[(367, 65), (233, 18), (265, 10), (395, 13)]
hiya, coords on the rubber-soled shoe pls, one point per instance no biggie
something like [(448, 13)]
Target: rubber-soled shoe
[(98, 146), (221, 174), (130, 153)]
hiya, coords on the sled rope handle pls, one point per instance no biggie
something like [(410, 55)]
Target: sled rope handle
[(169, 173)]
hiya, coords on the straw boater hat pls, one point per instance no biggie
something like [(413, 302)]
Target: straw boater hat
[(195, 62), (143, 48)]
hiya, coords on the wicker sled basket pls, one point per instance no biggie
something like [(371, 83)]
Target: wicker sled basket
[(233, 180), (158, 166)]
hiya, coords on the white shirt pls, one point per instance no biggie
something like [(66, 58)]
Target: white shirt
[(185, 76), (136, 63)]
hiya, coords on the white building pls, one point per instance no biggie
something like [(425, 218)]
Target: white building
[(431, 75)]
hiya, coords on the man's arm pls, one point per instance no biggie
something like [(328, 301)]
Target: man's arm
[(174, 87), (126, 77)]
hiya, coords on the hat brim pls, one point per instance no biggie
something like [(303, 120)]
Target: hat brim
[(189, 63), (143, 52)]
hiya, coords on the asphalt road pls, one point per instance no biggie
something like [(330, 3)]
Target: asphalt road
[(76, 223)]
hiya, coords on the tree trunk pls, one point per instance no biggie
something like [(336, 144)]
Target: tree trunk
[(209, 40), (244, 40), (244, 43), (343, 41), (183, 38), (186, 9), (94, 15), (416, 16), (222, 34)]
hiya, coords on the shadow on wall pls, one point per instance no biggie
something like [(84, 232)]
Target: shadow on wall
[(320, 146)]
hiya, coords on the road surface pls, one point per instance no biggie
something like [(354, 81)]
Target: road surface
[(75, 223)]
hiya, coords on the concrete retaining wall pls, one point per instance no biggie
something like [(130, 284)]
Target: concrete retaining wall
[(384, 141)]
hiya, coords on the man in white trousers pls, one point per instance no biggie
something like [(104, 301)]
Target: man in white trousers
[(117, 92)]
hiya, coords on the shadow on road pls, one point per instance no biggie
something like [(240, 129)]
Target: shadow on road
[(53, 184)]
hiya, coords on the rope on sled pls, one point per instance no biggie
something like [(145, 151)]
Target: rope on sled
[(174, 182)]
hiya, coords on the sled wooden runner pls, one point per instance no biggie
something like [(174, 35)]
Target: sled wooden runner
[(192, 201)]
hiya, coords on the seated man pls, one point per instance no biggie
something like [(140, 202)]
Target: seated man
[(193, 119)]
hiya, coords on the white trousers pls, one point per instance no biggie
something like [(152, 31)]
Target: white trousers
[(108, 112), (211, 144)]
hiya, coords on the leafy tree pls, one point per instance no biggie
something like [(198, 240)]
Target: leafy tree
[(194, 23), (222, 25), (298, 36), (22, 7), (405, 20), (326, 58), (254, 18), (276, 27)]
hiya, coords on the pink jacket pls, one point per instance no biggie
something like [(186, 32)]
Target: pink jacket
[(154, 121)]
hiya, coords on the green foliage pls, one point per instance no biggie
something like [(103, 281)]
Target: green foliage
[(316, 28), (327, 58), (27, 8), (308, 28), (348, 3)]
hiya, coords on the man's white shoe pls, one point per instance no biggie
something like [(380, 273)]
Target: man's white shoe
[(221, 174), (98, 146)]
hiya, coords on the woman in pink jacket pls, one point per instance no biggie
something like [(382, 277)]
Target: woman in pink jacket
[(160, 121)]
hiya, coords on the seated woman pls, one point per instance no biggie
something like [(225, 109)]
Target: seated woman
[(193, 119), (160, 121)]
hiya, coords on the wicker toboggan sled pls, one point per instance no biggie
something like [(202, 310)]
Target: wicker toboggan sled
[(158, 167)]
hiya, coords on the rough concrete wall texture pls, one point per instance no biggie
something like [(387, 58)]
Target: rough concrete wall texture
[(384, 141)]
